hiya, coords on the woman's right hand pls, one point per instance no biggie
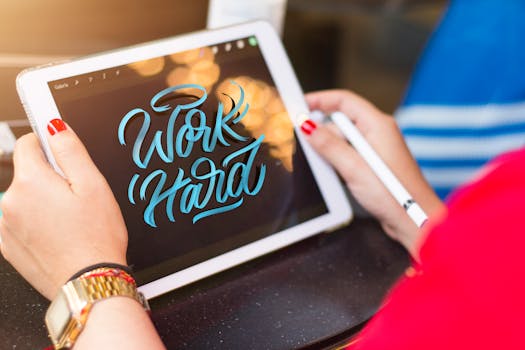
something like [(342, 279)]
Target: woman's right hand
[(382, 133)]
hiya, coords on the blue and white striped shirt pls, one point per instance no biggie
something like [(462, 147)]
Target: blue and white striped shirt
[(466, 101)]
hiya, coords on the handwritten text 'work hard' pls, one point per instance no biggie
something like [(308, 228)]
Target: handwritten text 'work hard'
[(226, 182)]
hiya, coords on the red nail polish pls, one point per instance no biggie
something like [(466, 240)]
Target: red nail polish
[(308, 126), (55, 126)]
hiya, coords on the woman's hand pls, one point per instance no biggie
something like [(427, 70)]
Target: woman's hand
[(382, 133), (52, 226)]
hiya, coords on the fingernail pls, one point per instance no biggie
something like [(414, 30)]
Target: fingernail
[(55, 126), (308, 126)]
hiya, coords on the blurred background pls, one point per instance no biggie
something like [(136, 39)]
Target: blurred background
[(369, 46)]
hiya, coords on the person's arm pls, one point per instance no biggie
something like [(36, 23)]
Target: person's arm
[(383, 134), (52, 227), (119, 323)]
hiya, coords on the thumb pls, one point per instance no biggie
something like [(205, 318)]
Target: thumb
[(337, 152), (362, 113), (70, 154)]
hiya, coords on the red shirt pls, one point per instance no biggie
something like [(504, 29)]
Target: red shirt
[(469, 290)]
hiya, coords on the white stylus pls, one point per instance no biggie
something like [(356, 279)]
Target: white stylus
[(379, 167)]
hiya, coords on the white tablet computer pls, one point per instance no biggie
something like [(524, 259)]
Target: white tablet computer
[(195, 136)]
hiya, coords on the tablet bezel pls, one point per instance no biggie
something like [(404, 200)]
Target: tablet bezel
[(32, 86)]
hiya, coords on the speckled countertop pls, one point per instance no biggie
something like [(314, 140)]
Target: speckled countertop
[(308, 295)]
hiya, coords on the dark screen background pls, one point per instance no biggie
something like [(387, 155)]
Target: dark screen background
[(94, 104)]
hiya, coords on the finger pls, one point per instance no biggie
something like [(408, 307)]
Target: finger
[(337, 152), (335, 130), (32, 171), (28, 158), (354, 106), (71, 155)]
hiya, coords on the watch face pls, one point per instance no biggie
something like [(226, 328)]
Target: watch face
[(58, 316)]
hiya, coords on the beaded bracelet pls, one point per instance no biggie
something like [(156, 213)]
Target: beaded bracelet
[(109, 272), (123, 268)]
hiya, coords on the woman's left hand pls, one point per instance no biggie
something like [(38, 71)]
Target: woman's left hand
[(52, 226)]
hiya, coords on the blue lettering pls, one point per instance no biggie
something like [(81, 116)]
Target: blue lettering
[(227, 185)]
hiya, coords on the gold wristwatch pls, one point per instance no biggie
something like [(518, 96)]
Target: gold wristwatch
[(67, 314)]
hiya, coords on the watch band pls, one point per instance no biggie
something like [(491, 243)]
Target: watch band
[(101, 287), (68, 313)]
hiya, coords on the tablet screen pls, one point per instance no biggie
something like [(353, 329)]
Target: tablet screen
[(198, 149)]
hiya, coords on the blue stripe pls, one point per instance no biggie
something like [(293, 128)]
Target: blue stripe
[(452, 163), (496, 130), (443, 192)]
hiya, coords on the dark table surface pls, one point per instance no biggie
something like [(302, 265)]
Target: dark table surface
[(309, 295)]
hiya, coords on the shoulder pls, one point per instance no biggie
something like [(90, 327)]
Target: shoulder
[(468, 291)]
